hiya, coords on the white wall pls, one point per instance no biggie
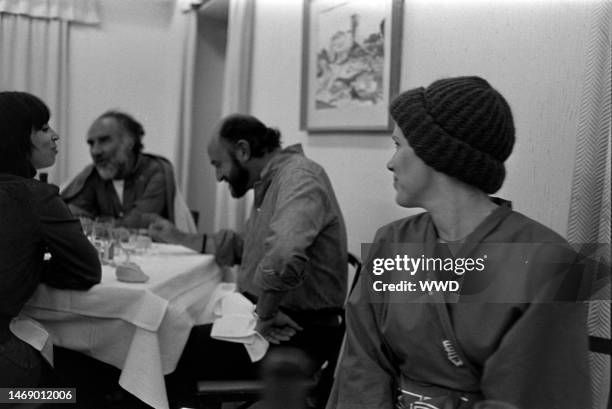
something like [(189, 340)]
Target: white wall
[(129, 62), (531, 51)]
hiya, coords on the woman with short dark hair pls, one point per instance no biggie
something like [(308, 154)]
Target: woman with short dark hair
[(33, 221)]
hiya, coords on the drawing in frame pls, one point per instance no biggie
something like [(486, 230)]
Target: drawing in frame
[(350, 64)]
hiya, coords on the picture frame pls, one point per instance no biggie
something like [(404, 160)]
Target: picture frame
[(350, 64)]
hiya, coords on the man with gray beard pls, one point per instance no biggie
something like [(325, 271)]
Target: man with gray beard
[(123, 182)]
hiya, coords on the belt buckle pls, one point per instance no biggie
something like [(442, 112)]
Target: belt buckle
[(417, 401)]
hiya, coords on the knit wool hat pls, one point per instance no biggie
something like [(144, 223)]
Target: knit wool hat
[(459, 126)]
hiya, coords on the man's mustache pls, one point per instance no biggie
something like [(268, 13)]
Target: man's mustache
[(101, 160)]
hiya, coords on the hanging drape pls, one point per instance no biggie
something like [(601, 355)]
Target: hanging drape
[(34, 37), (589, 215), (229, 212), (82, 11), (189, 23)]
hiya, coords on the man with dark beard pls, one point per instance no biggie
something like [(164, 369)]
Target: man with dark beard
[(123, 182), (292, 253)]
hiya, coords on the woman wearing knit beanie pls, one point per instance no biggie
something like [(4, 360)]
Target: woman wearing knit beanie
[(455, 305)]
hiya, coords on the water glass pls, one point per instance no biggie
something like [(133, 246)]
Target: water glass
[(125, 241), (103, 240), (143, 241)]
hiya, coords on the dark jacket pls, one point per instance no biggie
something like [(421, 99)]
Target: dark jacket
[(34, 220), (149, 188)]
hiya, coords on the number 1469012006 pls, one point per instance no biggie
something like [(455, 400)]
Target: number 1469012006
[(37, 395)]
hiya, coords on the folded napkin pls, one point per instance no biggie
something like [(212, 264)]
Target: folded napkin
[(33, 333), (235, 322)]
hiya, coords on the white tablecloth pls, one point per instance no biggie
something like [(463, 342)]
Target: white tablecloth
[(139, 328)]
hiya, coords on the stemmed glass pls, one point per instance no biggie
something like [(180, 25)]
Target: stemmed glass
[(102, 238), (126, 241)]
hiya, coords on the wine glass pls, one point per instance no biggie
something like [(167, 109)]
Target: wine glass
[(102, 239), (127, 241)]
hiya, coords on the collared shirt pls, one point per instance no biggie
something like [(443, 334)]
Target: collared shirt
[(145, 190), (295, 238)]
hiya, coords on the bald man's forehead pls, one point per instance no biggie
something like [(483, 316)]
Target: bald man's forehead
[(218, 146), (217, 150), (109, 126), (213, 145)]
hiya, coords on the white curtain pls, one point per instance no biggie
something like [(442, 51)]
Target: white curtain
[(229, 212), (82, 11), (189, 24), (34, 36), (589, 216)]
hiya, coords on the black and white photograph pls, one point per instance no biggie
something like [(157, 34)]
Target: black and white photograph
[(305, 204)]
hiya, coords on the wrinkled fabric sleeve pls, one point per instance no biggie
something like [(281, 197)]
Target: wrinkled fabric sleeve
[(74, 261), (301, 210), (548, 344), (366, 376), (152, 200), (547, 347), (228, 247)]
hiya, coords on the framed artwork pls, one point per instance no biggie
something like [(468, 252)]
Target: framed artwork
[(350, 64)]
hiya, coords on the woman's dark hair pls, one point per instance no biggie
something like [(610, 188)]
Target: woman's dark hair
[(261, 139), (20, 114), (132, 126)]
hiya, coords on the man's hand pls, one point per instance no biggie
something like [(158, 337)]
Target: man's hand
[(149, 218), (163, 230), (277, 329)]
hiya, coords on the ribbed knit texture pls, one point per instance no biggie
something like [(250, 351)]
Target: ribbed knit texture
[(459, 126)]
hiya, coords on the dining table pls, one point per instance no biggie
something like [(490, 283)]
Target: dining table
[(140, 328)]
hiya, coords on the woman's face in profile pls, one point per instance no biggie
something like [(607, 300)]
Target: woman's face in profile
[(44, 147), (411, 176)]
